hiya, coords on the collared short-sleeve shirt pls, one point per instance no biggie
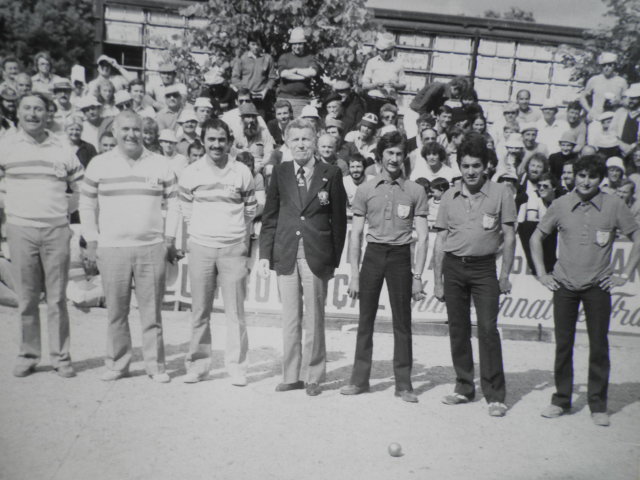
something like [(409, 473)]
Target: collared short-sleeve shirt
[(475, 227), (389, 207), (586, 231)]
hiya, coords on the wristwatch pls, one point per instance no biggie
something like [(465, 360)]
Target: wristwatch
[(623, 276), (417, 276)]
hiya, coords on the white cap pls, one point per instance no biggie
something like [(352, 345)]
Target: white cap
[(107, 59), (528, 126), (202, 102), (607, 57), (78, 74), (385, 41), (633, 91), (213, 77), (297, 36), (122, 96), (187, 115), (514, 141), (174, 88), (88, 101), (167, 135), (616, 162), (548, 104), (309, 111), (388, 129), (605, 116)]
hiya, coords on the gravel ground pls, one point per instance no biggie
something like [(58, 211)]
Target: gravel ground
[(85, 429)]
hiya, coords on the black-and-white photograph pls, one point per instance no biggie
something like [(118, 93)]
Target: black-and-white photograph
[(319, 239)]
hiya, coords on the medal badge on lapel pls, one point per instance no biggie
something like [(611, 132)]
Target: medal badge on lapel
[(602, 237), (323, 197), (489, 221), (404, 210)]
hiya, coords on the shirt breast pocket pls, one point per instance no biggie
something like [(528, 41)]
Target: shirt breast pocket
[(489, 220)]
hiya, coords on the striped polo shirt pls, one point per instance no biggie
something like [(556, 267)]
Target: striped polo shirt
[(121, 201), (218, 203), (36, 176)]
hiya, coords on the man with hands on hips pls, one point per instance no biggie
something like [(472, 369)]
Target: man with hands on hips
[(587, 221), (391, 206), (476, 218), (304, 225)]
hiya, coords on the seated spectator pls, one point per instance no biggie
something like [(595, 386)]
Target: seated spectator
[(567, 179), (601, 127), (353, 105), (217, 89), (389, 115), (137, 90), (297, 69), (167, 118), (530, 211), (168, 142), (615, 175), (168, 78), (327, 151), (550, 128), (364, 138), (332, 105), (85, 151), (253, 133), (62, 97), (107, 142), (8, 104), (150, 134), (51, 123), (431, 164), (109, 69), (106, 97), (93, 122), (203, 109), (283, 115), (310, 113), (188, 122), (23, 84), (455, 137), (443, 121), (123, 101), (526, 113), (632, 161), (384, 72), (598, 86), (510, 117), (44, 78), (529, 133), (625, 119), (426, 135), (513, 149), (423, 121), (567, 153), (577, 125), (626, 191), (10, 69), (195, 151), (233, 118), (437, 188), (79, 83), (355, 178)]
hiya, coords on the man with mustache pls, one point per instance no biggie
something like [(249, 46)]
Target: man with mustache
[(476, 218), (391, 205), (38, 167)]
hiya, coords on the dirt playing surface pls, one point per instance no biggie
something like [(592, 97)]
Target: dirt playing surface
[(86, 429)]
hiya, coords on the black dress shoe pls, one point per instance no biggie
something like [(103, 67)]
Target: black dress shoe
[(353, 390), (313, 389), (407, 396), (287, 387)]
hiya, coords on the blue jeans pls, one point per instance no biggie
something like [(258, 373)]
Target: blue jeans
[(597, 309), (464, 279)]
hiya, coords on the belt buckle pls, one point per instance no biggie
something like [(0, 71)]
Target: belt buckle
[(464, 259)]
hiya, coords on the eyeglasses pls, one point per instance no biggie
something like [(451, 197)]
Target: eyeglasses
[(388, 117), (173, 94), (543, 186), (124, 105), (244, 100)]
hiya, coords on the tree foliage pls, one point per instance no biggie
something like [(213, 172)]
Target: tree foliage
[(622, 37), (336, 31), (64, 28), (514, 13)]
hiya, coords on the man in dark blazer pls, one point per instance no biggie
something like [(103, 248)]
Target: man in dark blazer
[(304, 225)]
